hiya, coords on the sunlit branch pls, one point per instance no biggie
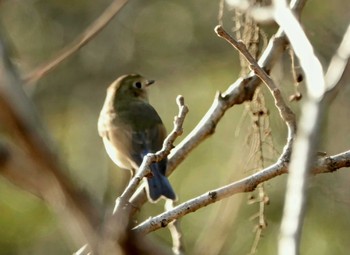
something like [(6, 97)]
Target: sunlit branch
[(306, 142), (285, 112), (248, 184), (240, 91), (337, 66)]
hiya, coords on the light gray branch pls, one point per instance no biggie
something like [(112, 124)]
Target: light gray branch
[(248, 184), (285, 112), (306, 143)]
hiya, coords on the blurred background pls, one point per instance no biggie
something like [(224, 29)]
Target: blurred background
[(174, 43)]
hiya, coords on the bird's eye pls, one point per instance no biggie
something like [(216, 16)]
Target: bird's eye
[(138, 85)]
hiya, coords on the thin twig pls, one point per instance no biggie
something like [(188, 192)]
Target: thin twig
[(96, 27), (176, 232), (286, 113)]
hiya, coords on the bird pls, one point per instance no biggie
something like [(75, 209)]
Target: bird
[(131, 128)]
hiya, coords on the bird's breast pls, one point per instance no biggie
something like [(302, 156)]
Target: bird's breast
[(117, 156)]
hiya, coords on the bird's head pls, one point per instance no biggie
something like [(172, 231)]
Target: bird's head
[(130, 86)]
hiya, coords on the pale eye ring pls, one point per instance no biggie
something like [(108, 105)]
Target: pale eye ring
[(138, 85)]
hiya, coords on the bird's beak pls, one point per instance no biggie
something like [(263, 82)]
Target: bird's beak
[(149, 82)]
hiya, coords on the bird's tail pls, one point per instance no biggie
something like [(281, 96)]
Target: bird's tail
[(159, 185)]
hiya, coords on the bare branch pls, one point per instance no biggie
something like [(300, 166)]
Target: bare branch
[(332, 163), (177, 131), (18, 117), (302, 48), (96, 27), (240, 91), (323, 165), (286, 113), (307, 138), (175, 230), (336, 68)]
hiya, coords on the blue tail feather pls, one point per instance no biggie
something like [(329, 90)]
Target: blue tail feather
[(159, 185)]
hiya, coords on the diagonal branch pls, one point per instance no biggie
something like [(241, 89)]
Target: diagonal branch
[(96, 27), (240, 91), (337, 66), (248, 184), (18, 117), (286, 113)]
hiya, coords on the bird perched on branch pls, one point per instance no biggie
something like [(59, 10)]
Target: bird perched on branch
[(130, 128)]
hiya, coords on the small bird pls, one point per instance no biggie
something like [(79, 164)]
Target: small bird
[(130, 128)]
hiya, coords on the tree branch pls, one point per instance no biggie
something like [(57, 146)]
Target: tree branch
[(18, 117), (285, 112), (240, 91), (96, 27), (175, 231), (337, 66), (248, 184), (306, 143)]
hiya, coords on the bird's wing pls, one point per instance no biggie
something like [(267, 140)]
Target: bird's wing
[(147, 141), (135, 130), (148, 131)]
